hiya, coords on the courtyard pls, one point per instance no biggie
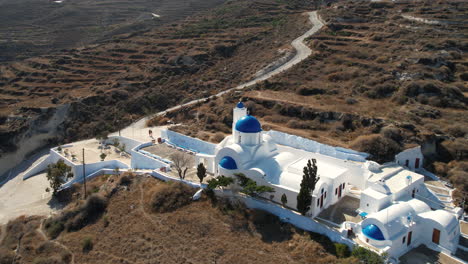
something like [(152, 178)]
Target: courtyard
[(344, 210), (93, 151), (165, 151)]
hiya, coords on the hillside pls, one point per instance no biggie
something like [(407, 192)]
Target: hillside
[(36, 27), (103, 87), (130, 231), (379, 81)]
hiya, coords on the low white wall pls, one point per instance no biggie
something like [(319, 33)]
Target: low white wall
[(313, 146), (91, 168), (164, 177), (187, 142), (142, 161), (286, 215), (129, 143), (37, 167)]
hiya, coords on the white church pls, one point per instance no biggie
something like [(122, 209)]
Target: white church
[(399, 211)]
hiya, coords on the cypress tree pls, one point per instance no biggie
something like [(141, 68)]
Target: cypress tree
[(309, 180)]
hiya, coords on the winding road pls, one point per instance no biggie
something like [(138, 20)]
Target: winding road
[(302, 52), (27, 197)]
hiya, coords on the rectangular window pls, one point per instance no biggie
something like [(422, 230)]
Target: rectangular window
[(318, 202), (336, 191), (325, 195), (436, 236), (404, 240)]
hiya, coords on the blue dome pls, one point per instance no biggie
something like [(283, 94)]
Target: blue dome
[(228, 163), (373, 232), (240, 105), (248, 124)]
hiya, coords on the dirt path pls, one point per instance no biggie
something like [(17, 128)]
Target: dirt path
[(302, 52), (40, 230)]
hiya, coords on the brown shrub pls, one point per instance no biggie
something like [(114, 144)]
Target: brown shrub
[(6, 256), (218, 137), (157, 121), (172, 197), (457, 130), (299, 124), (382, 149), (392, 132), (76, 219)]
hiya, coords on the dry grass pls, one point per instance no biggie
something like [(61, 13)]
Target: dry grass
[(198, 232)]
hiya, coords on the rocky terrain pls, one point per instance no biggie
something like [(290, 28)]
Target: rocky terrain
[(125, 220), (384, 77), (107, 85), (36, 27)]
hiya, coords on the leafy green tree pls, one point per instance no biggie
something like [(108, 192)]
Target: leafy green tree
[(103, 156), (250, 187), (58, 174), (201, 172), (284, 199), (220, 181), (309, 180)]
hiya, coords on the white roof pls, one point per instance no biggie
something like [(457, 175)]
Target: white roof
[(394, 217), (446, 219), (395, 176), (374, 194), (286, 169)]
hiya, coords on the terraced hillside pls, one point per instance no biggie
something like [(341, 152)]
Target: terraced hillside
[(35, 27), (384, 76), (97, 89)]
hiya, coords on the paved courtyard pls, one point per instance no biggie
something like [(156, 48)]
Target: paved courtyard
[(344, 210), (93, 151)]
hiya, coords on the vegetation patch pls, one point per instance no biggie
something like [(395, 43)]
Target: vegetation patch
[(171, 197)]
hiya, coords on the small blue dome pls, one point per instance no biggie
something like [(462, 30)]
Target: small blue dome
[(248, 124), (228, 163), (240, 105), (373, 232)]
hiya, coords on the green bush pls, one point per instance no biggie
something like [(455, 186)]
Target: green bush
[(87, 244), (367, 256), (54, 228), (342, 251)]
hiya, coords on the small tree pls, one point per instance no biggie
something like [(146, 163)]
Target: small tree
[(58, 174), (103, 156), (220, 181), (201, 172), (250, 187), (284, 199), (309, 180), (181, 163)]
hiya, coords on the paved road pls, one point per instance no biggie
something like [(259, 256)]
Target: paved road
[(302, 52)]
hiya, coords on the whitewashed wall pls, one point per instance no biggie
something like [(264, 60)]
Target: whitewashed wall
[(142, 161), (129, 143), (286, 215), (37, 167), (411, 155), (313, 146), (188, 142)]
